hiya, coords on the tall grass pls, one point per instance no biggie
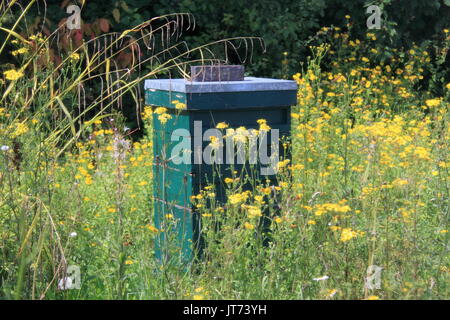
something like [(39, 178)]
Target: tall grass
[(368, 183), (52, 98)]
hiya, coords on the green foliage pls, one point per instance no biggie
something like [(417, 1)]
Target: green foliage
[(285, 26)]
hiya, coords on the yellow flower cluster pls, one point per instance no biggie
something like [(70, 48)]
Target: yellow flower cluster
[(222, 125), (102, 132), (38, 37), (238, 198), (431, 103), (239, 135), (252, 211), (147, 114), (340, 207), (348, 233), (248, 226), (263, 126), (84, 173), (230, 180), (179, 105), (20, 129), (199, 294), (160, 110), (13, 75), (74, 57), (215, 142), (20, 51), (163, 116)]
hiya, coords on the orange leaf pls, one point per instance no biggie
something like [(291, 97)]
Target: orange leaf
[(104, 24)]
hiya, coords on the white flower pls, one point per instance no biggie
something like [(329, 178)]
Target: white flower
[(4, 148), (73, 234), (321, 278)]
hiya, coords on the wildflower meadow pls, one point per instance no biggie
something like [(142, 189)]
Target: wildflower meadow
[(363, 195)]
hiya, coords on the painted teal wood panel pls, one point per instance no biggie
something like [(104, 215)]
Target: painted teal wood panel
[(172, 189), (222, 100)]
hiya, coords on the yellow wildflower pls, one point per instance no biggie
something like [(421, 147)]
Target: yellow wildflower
[(259, 199), (249, 226), (263, 125), (331, 293), (160, 110), (222, 125), (20, 51), (180, 106), (152, 228), (238, 198), (21, 128), (253, 211), (433, 102), (163, 118), (347, 234), (147, 114), (228, 180), (13, 75), (74, 57)]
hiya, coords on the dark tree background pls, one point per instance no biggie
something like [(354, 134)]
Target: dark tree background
[(284, 25)]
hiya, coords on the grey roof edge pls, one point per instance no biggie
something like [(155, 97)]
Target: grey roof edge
[(249, 84)]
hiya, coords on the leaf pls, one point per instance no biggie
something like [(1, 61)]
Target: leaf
[(29, 233), (67, 113), (124, 6), (15, 34), (116, 15), (103, 24), (447, 2)]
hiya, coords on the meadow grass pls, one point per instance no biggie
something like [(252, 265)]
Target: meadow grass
[(367, 184)]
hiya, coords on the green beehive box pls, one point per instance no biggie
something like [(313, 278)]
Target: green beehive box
[(238, 103)]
